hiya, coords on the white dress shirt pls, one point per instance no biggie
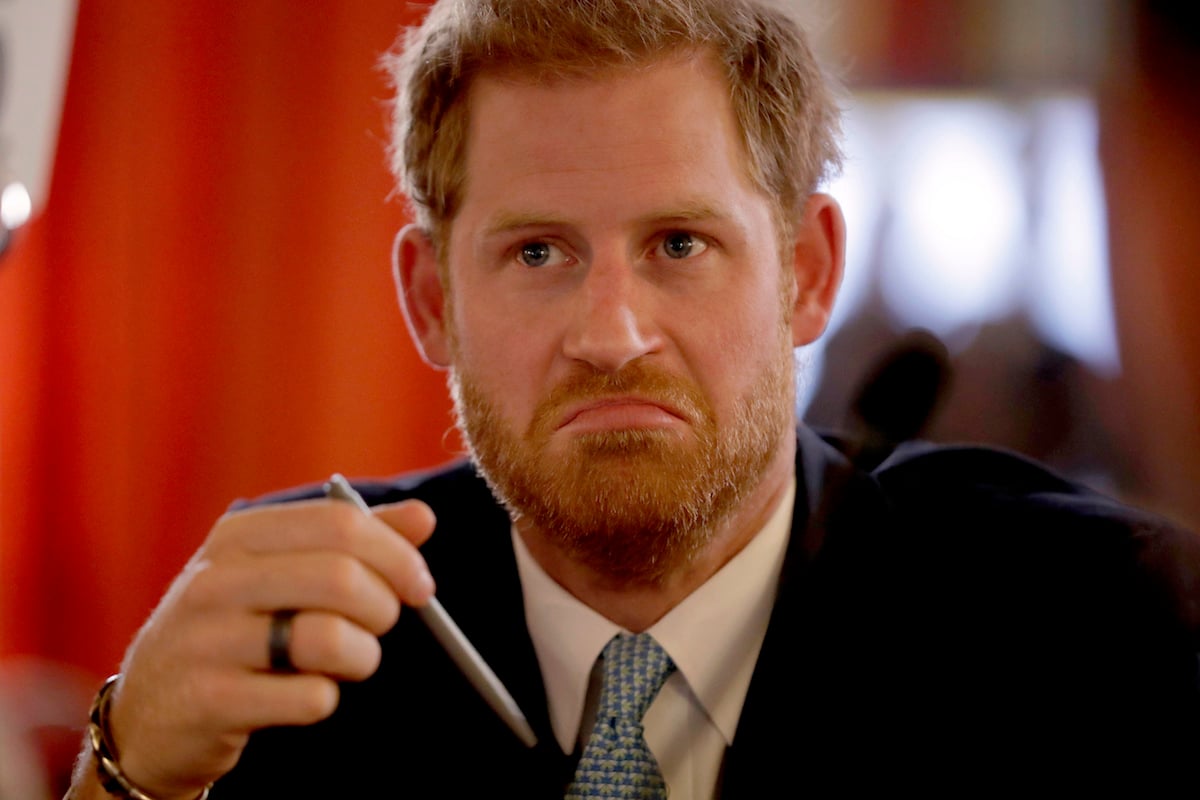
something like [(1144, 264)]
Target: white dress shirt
[(713, 637)]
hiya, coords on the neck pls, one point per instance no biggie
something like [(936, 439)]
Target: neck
[(636, 606)]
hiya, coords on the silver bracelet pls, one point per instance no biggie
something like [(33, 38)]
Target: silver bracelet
[(109, 771)]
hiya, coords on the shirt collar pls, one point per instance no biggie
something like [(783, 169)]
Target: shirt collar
[(713, 636)]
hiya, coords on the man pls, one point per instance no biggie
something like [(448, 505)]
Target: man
[(618, 245)]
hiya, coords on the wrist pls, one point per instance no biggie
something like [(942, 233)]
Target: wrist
[(103, 752)]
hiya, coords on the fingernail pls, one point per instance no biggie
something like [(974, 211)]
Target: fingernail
[(425, 585)]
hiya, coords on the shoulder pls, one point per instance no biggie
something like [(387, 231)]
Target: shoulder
[(982, 485), (992, 485), (453, 486), (1020, 514)]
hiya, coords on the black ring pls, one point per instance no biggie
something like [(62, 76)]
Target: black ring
[(279, 640)]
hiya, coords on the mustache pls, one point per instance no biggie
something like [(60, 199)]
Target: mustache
[(588, 384)]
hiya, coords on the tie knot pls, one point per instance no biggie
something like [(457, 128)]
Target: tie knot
[(635, 668)]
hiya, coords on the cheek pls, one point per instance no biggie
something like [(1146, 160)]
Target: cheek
[(504, 354), (729, 344), (748, 318)]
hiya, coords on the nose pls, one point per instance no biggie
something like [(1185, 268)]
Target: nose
[(610, 326)]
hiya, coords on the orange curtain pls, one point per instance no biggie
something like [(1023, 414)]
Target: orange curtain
[(204, 310)]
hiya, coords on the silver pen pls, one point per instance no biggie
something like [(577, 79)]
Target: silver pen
[(451, 637)]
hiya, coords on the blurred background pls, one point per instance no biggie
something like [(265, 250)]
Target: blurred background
[(196, 305)]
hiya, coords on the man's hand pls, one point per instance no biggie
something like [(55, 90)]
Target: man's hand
[(196, 680)]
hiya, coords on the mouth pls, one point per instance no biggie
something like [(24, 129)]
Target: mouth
[(619, 413)]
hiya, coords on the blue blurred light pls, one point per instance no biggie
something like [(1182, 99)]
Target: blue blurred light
[(1070, 298), (957, 216)]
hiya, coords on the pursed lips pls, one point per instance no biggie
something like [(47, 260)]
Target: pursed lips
[(637, 411)]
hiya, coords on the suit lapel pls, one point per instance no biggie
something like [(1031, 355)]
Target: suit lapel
[(808, 679)]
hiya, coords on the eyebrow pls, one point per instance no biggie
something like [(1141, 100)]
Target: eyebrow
[(691, 211), (687, 212), (506, 222)]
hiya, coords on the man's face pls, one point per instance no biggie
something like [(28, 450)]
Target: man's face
[(618, 322)]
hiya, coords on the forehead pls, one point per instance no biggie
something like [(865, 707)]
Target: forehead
[(660, 126)]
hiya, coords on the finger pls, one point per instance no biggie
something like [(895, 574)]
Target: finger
[(316, 641), (330, 645), (318, 580), (246, 701), (412, 519), (329, 525)]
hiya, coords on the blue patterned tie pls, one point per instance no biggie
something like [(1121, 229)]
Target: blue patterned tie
[(616, 762)]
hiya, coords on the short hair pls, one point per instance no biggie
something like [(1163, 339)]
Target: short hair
[(783, 103)]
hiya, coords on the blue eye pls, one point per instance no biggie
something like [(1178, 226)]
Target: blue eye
[(535, 254), (682, 245), (540, 254)]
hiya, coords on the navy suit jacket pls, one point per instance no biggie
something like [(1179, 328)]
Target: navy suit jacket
[(960, 617)]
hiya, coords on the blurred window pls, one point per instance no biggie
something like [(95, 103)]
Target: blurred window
[(965, 209)]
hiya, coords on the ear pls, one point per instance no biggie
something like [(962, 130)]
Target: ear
[(422, 298), (819, 253)]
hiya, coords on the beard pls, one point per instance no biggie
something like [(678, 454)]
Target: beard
[(633, 505)]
